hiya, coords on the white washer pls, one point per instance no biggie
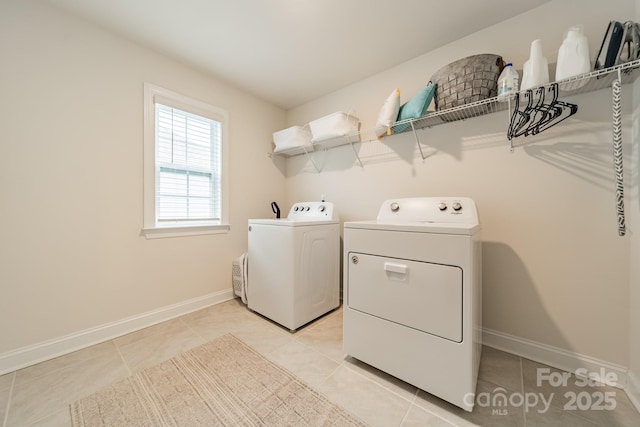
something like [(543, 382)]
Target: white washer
[(294, 264), (413, 294)]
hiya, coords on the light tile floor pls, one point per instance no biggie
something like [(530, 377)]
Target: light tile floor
[(40, 395)]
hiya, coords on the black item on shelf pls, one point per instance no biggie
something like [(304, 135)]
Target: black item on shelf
[(610, 46), (630, 44), (621, 44)]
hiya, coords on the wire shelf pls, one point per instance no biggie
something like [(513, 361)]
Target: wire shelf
[(584, 83), (571, 86), (294, 151)]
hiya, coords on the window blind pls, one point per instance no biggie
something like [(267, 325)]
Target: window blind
[(188, 166)]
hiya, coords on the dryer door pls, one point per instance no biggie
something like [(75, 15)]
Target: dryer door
[(420, 295)]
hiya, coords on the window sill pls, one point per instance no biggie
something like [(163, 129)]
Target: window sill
[(183, 231)]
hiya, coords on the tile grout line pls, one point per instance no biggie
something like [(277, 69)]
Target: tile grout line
[(331, 398), (317, 322), (11, 389), (204, 340), (312, 348), (411, 402), (344, 362), (524, 413), (126, 365), (331, 373), (406, 414), (417, 405)]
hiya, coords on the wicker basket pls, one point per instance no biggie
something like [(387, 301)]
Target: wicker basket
[(467, 80)]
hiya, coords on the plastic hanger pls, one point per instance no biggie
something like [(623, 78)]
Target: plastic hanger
[(537, 114), (540, 116), (560, 108), (524, 126), (548, 111), (520, 118)]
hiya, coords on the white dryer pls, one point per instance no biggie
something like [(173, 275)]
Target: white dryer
[(294, 264), (413, 294)]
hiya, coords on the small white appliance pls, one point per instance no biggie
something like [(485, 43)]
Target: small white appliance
[(413, 294), (294, 264), (239, 277)]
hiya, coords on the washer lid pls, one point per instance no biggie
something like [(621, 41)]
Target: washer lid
[(304, 213), (286, 222)]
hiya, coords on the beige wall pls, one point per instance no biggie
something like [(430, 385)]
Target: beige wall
[(634, 279), (71, 152), (72, 257), (634, 283), (555, 270)]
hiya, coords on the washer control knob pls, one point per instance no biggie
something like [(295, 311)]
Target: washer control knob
[(295, 208), (307, 208), (322, 208), (442, 206), (395, 207), (456, 206)]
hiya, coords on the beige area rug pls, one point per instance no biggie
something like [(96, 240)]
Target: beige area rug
[(222, 383)]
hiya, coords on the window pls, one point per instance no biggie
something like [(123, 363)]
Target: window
[(184, 174), (187, 165)]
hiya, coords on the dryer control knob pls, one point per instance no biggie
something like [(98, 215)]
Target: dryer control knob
[(322, 208), (395, 207), (307, 208), (442, 206), (456, 206)]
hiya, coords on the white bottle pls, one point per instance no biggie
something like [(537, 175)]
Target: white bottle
[(507, 83), (536, 70), (573, 56)]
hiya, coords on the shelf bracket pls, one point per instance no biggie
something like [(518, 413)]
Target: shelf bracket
[(311, 160), (415, 135), (357, 156), (509, 122)]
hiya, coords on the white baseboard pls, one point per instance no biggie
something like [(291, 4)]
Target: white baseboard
[(633, 389), (30, 355), (557, 357)]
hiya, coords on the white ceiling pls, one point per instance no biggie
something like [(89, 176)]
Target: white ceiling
[(290, 52)]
